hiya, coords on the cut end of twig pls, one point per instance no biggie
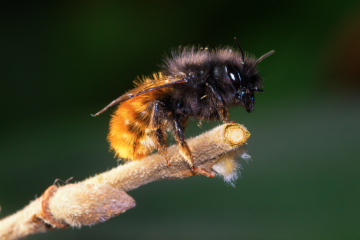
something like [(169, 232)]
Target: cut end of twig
[(236, 134)]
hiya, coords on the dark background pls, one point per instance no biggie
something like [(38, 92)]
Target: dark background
[(59, 62)]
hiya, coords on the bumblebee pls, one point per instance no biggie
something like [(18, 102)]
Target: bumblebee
[(193, 83)]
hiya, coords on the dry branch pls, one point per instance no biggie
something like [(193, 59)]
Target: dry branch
[(99, 198)]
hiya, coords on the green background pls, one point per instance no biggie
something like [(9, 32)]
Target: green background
[(61, 61)]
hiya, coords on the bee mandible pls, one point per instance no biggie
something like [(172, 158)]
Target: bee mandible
[(193, 83)]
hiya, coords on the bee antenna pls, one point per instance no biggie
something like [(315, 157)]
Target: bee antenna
[(242, 52), (264, 56)]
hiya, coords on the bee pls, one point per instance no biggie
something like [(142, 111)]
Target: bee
[(193, 83)]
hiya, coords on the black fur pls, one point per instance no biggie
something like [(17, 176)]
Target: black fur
[(209, 89)]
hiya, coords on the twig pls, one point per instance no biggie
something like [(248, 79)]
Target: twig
[(99, 198)]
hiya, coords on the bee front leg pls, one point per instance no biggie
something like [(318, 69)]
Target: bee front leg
[(223, 111)]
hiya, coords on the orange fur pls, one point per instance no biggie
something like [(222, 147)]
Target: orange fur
[(131, 133)]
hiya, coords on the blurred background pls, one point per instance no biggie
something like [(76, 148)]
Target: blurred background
[(60, 62)]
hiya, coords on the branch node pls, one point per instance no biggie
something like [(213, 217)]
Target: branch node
[(45, 214), (88, 204)]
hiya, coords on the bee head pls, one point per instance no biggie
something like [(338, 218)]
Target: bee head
[(243, 86)]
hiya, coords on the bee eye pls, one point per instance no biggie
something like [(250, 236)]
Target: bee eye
[(234, 75)]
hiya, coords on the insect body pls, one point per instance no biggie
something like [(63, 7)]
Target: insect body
[(194, 83)]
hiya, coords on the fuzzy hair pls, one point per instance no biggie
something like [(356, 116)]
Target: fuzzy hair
[(190, 59)]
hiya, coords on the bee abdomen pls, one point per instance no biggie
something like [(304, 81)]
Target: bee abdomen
[(130, 135)]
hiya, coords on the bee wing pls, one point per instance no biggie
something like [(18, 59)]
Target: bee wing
[(145, 87)]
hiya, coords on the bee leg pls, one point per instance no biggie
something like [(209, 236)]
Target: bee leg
[(186, 152), (184, 148), (224, 111), (162, 143), (159, 130)]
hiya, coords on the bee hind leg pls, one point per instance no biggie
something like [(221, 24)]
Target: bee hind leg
[(162, 143), (160, 134)]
